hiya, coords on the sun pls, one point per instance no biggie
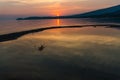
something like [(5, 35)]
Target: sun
[(58, 14)]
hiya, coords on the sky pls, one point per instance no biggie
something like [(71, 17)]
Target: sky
[(51, 7)]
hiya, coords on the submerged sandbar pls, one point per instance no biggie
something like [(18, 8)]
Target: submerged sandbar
[(16, 35)]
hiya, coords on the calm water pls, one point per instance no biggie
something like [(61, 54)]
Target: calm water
[(70, 54)]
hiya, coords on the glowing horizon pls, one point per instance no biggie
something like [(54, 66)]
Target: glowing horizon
[(51, 7)]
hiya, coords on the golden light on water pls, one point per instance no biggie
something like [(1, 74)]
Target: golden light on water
[(58, 22)]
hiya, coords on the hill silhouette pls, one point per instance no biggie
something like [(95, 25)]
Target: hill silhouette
[(111, 12)]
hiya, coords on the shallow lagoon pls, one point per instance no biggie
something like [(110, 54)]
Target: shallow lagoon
[(69, 54)]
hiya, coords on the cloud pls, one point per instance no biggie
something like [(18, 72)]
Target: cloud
[(38, 1), (46, 7), (30, 2)]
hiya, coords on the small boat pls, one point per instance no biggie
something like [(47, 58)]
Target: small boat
[(41, 47)]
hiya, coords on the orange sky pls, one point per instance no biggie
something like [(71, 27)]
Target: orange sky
[(51, 7)]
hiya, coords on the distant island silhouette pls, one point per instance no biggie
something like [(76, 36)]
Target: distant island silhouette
[(16, 35), (111, 12)]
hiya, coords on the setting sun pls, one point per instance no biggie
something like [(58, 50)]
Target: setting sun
[(58, 14), (59, 39)]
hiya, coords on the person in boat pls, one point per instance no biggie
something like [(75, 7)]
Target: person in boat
[(41, 47)]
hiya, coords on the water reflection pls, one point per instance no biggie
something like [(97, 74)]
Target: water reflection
[(58, 22), (71, 54), (90, 53), (15, 26)]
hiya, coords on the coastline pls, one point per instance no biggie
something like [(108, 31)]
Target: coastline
[(16, 35)]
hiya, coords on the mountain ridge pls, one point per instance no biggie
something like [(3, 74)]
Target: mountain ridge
[(108, 12), (101, 12)]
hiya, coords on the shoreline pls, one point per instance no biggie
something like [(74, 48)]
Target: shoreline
[(16, 35)]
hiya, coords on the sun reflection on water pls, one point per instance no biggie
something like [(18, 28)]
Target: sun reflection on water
[(58, 22), (79, 47)]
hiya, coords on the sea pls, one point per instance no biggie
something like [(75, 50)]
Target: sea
[(85, 53)]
